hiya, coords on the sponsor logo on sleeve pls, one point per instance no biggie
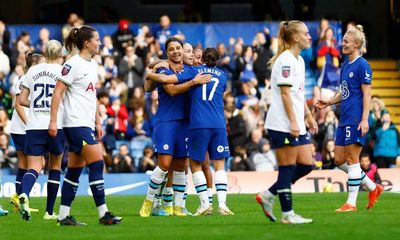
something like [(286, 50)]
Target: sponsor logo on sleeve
[(65, 69), (285, 71)]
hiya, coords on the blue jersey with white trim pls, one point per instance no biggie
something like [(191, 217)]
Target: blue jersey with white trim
[(170, 108), (352, 76), (206, 101)]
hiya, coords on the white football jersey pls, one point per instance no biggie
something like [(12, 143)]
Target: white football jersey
[(41, 80), (80, 101), (17, 125), (287, 70)]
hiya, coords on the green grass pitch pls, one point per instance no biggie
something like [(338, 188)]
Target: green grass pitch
[(380, 222)]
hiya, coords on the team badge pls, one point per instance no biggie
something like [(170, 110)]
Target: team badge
[(65, 69), (285, 71), (351, 74), (166, 147), (220, 149)]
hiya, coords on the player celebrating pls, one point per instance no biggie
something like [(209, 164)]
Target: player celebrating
[(207, 129), (81, 124), (17, 129), (170, 131), (355, 98), (285, 120), (38, 86)]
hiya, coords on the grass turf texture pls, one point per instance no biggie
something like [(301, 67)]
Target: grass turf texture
[(249, 222)]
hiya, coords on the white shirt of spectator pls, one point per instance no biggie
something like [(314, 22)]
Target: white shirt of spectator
[(17, 125), (41, 80), (287, 70), (80, 100)]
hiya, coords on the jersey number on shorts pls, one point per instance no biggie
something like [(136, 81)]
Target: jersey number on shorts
[(348, 132), (45, 91), (204, 93)]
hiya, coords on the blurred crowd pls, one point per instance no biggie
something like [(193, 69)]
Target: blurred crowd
[(127, 112)]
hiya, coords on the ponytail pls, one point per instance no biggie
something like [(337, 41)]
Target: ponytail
[(78, 36)]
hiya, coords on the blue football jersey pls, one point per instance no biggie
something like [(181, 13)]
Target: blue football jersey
[(206, 101), (170, 108), (352, 76)]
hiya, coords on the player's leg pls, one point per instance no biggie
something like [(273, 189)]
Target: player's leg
[(207, 172), (168, 192), (179, 185)]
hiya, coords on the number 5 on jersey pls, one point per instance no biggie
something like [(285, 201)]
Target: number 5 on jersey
[(204, 93)]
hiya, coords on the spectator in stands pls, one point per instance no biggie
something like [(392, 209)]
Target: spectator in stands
[(5, 105), (370, 169), (123, 37), (4, 121), (165, 31), (261, 44), (237, 134), (377, 110), (21, 46), (8, 154), (119, 89), (4, 38), (311, 88), (241, 162), (44, 37), (72, 21), (316, 154), (122, 161), (108, 140), (111, 69), (253, 145), (236, 65), (327, 128), (327, 50), (4, 67), (118, 111), (108, 47), (131, 69), (328, 154), (148, 162), (16, 74), (224, 61), (137, 99), (151, 104), (264, 159), (387, 143), (323, 25), (247, 74), (138, 124), (253, 113), (245, 97)]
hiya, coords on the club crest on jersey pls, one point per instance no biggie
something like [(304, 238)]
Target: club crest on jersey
[(65, 69), (351, 74), (285, 71)]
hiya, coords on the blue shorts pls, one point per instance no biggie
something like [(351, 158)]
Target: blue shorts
[(281, 139), (39, 143), (19, 141), (170, 138), (347, 135), (211, 140), (77, 137)]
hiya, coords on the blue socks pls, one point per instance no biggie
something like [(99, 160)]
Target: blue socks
[(70, 185), (300, 171), (96, 182), (28, 181), (284, 187), (18, 180), (53, 184)]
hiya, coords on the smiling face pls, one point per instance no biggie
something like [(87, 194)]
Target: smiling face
[(349, 44), (188, 55), (175, 52)]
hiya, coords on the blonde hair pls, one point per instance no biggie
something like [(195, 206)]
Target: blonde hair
[(53, 49), (358, 32), (286, 31)]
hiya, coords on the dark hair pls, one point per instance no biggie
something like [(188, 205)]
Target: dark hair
[(210, 57), (170, 40), (32, 58), (364, 154), (77, 37)]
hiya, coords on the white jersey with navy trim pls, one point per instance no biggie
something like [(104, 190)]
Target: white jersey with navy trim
[(40, 80), (17, 125), (80, 101), (287, 70)]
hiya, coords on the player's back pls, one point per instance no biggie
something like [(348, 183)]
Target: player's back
[(41, 80), (206, 101)]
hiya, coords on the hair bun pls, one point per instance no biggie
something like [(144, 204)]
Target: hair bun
[(360, 27)]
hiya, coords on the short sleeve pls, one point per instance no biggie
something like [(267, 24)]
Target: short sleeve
[(24, 81), (365, 73), (17, 86), (187, 74), (67, 75), (285, 74)]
